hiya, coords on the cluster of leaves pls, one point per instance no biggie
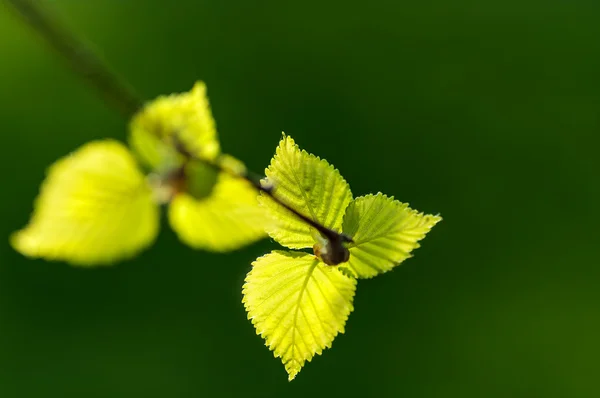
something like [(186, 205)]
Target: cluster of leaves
[(299, 301), (100, 205)]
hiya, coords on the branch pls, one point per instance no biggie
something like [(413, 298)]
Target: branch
[(78, 55), (115, 90)]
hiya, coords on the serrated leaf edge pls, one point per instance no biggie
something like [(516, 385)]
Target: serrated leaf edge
[(261, 333)]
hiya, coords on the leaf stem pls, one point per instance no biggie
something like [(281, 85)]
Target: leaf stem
[(116, 91), (330, 234)]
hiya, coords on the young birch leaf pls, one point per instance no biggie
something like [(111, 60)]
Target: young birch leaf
[(225, 219), (385, 231), (298, 304), (175, 123), (308, 184), (95, 207)]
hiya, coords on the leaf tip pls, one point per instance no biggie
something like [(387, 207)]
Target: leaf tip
[(199, 88), (17, 240), (292, 368)]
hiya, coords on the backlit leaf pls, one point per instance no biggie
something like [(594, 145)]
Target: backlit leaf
[(95, 207), (298, 304), (385, 231), (308, 184), (228, 218), (175, 123)]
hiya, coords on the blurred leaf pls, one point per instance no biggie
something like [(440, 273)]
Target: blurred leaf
[(201, 179), (95, 207), (227, 219), (171, 124)]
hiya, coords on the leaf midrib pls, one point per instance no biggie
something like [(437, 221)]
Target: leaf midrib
[(302, 290)]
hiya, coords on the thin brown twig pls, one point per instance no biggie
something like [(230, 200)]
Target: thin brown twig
[(78, 55), (116, 91)]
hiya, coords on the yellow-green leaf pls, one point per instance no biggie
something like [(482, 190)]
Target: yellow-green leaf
[(385, 231), (172, 124), (297, 304), (309, 185), (200, 179), (95, 207), (227, 219), (231, 165)]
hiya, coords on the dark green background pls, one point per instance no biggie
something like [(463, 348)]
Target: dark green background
[(487, 112)]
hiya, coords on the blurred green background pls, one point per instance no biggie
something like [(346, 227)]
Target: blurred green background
[(486, 112)]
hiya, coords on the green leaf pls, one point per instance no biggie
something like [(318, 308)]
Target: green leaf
[(200, 179), (298, 304), (226, 219), (385, 231), (309, 185), (174, 123), (95, 208)]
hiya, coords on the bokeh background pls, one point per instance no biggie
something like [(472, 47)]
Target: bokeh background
[(485, 112)]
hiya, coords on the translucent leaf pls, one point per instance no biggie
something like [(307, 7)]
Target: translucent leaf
[(298, 304), (385, 231), (227, 219), (308, 184), (231, 165), (95, 207), (200, 179), (175, 123)]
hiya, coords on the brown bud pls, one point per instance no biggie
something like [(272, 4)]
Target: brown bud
[(330, 253)]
